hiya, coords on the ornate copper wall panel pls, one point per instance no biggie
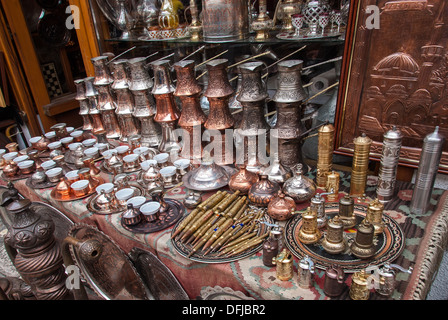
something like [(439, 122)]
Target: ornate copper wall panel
[(395, 75)]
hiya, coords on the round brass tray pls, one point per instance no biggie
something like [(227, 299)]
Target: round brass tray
[(166, 219), (389, 245), (212, 257), (92, 206)]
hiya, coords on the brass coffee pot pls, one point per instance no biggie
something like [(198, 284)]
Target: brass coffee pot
[(305, 271), (284, 265), (347, 211), (363, 246), (282, 207), (333, 241), (309, 233)]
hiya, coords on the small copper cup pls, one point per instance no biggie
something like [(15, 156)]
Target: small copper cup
[(80, 188), (27, 166), (150, 211), (12, 147)]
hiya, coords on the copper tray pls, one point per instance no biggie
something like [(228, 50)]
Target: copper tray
[(43, 185), (166, 219), (72, 197), (389, 245), (92, 207), (212, 257), (17, 177)]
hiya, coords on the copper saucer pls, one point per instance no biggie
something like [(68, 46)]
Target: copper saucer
[(43, 185), (72, 197)]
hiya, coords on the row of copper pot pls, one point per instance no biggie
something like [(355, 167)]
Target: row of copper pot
[(280, 196)]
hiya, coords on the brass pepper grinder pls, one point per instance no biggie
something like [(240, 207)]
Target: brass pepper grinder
[(271, 247), (332, 185), (167, 113), (218, 93), (387, 278), (360, 165), (192, 117), (309, 233), (347, 211), (284, 265), (324, 154), (359, 288), (334, 281), (333, 241), (363, 246), (375, 215), (305, 272)]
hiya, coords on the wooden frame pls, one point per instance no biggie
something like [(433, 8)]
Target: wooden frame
[(394, 75)]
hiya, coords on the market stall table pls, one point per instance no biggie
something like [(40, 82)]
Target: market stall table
[(423, 245)]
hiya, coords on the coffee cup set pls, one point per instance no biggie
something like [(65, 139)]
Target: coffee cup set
[(17, 166)]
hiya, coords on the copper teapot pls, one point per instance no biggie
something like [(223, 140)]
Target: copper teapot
[(263, 191), (243, 180), (299, 187), (282, 207)]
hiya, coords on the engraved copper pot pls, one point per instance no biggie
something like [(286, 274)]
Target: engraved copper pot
[(252, 126), (282, 207), (299, 187), (288, 99), (167, 111), (80, 89), (107, 106), (192, 117), (218, 93), (334, 281), (145, 109), (363, 246), (242, 180), (84, 113), (120, 75), (101, 70), (139, 78), (95, 115), (263, 191)]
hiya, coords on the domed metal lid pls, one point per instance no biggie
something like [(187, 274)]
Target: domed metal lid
[(435, 137), (208, 176), (393, 134)]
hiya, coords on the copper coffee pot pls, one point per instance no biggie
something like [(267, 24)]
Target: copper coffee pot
[(192, 117), (101, 70), (107, 106), (83, 104), (282, 207), (92, 97), (124, 112), (120, 74), (144, 111), (167, 113), (219, 118), (263, 191), (242, 180), (252, 127)]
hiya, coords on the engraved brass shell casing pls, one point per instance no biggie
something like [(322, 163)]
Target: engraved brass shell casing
[(360, 165)]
